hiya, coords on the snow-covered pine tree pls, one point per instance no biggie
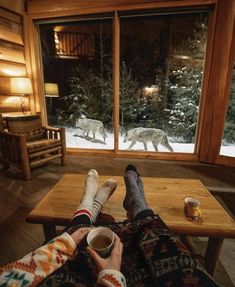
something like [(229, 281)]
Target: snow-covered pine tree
[(129, 102), (75, 103), (186, 87), (185, 84)]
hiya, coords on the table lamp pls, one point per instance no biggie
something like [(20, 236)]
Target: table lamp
[(22, 87)]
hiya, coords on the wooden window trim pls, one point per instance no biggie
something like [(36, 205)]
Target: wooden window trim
[(218, 82), (38, 9)]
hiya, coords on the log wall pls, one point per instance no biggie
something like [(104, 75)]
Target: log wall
[(12, 53)]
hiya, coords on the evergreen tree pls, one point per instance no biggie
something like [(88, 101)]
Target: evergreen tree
[(129, 102), (105, 82), (159, 103), (75, 103), (186, 87), (85, 96)]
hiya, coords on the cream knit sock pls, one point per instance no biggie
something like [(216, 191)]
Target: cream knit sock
[(104, 192), (90, 190)]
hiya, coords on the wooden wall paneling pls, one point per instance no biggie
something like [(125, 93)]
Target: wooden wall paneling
[(11, 69), (16, 6), (11, 52), (5, 86), (9, 15), (47, 8), (8, 102), (10, 31), (218, 81), (12, 104), (12, 62)]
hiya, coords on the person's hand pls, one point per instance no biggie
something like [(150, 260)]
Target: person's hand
[(79, 234), (113, 261)]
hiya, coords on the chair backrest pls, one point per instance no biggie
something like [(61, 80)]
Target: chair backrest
[(29, 125)]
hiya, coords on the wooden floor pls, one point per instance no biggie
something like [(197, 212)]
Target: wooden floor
[(18, 197)]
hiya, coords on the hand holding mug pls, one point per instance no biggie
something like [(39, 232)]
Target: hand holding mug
[(111, 262)]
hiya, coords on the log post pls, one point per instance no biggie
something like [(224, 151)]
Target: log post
[(63, 146), (24, 157)]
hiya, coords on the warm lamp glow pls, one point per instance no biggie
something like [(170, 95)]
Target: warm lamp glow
[(51, 90), (21, 86), (11, 72)]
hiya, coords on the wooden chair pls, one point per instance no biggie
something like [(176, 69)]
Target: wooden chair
[(25, 142)]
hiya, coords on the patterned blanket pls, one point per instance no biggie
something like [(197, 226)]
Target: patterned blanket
[(152, 256)]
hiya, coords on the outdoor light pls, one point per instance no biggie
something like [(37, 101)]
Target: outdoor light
[(182, 57), (149, 91), (22, 87)]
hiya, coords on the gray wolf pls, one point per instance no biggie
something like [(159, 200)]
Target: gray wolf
[(145, 135), (88, 125)]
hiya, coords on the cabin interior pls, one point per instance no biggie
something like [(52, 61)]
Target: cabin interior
[(165, 68)]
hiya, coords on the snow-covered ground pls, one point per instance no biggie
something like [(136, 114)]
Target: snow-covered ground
[(75, 139)]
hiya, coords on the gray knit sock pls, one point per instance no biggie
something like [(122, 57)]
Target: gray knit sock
[(104, 192), (141, 186), (134, 201)]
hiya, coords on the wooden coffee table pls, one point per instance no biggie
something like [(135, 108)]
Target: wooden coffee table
[(164, 195)]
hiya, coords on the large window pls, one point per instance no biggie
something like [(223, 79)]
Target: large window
[(161, 70), (228, 142)]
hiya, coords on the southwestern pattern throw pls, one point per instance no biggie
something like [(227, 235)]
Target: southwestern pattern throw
[(152, 256)]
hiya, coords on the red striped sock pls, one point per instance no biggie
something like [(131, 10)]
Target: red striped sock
[(82, 212)]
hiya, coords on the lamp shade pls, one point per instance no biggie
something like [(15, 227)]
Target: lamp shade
[(51, 90), (21, 86)]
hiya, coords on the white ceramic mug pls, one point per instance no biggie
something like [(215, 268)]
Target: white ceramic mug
[(101, 239)]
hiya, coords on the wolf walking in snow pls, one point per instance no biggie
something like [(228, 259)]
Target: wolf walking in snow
[(146, 135), (88, 125)]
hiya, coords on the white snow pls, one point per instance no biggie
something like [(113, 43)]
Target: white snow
[(75, 139)]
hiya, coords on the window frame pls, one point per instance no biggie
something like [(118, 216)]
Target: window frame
[(211, 117)]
